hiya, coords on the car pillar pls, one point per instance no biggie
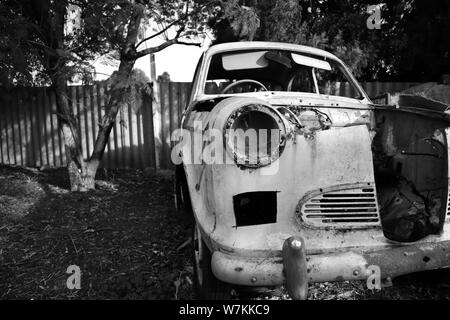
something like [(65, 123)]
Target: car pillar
[(295, 267)]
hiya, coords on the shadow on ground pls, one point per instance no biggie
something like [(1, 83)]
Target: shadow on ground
[(124, 236), (127, 240)]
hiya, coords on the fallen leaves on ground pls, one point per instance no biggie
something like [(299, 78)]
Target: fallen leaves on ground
[(124, 237)]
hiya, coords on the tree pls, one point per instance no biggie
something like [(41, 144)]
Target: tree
[(302, 22), (234, 21), (35, 32), (411, 45), (425, 28), (55, 49), (164, 77)]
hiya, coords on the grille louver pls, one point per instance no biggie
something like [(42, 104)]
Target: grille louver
[(343, 208)]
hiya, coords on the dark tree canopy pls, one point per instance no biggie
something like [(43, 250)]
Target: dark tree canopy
[(412, 44)]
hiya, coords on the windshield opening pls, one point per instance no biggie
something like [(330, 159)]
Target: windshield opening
[(277, 70)]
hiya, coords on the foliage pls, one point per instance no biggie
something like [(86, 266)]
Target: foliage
[(233, 22), (328, 25), (137, 84), (412, 44), (29, 43), (16, 65), (164, 77)]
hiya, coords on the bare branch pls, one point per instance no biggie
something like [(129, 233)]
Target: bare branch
[(164, 45), (46, 48), (158, 33), (196, 44), (182, 27)]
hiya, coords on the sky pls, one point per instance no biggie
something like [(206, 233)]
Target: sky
[(178, 60)]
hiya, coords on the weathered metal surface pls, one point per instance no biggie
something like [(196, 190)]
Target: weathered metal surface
[(417, 257), (350, 265), (325, 161), (295, 268)]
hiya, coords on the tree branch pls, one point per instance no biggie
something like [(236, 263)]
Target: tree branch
[(158, 33), (182, 28), (164, 45), (49, 50), (196, 44)]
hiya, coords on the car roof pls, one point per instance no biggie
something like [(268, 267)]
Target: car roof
[(259, 45)]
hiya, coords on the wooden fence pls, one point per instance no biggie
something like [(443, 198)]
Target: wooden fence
[(140, 138)]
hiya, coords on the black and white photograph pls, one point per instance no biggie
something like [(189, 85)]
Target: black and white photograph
[(253, 152)]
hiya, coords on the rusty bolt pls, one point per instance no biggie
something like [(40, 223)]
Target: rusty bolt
[(253, 280)]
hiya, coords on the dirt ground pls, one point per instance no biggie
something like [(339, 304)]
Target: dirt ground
[(127, 240)]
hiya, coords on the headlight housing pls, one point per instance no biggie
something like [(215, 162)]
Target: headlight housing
[(255, 135)]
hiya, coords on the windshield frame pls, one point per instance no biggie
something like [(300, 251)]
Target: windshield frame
[(201, 84)]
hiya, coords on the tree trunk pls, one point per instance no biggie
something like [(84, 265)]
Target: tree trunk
[(84, 179), (82, 172), (118, 91)]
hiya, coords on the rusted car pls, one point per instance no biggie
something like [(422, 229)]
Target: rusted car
[(347, 190)]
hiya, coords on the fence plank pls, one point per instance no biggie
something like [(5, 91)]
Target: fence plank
[(23, 129), (156, 118), (19, 144), (130, 128), (61, 145), (92, 115), (16, 130), (27, 100), (2, 95), (87, 121), (165, 125), (140, 138), (11, 135), (173, 109), (51, 128), (148, 132), (4, 130), (100, 93), (35, 127), (48, 129)]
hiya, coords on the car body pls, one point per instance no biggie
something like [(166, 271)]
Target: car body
[(350, 190)]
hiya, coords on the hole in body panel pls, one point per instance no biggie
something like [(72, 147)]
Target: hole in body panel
[(410, 162)]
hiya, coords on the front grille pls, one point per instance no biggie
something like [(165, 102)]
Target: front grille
[(355, 207)]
